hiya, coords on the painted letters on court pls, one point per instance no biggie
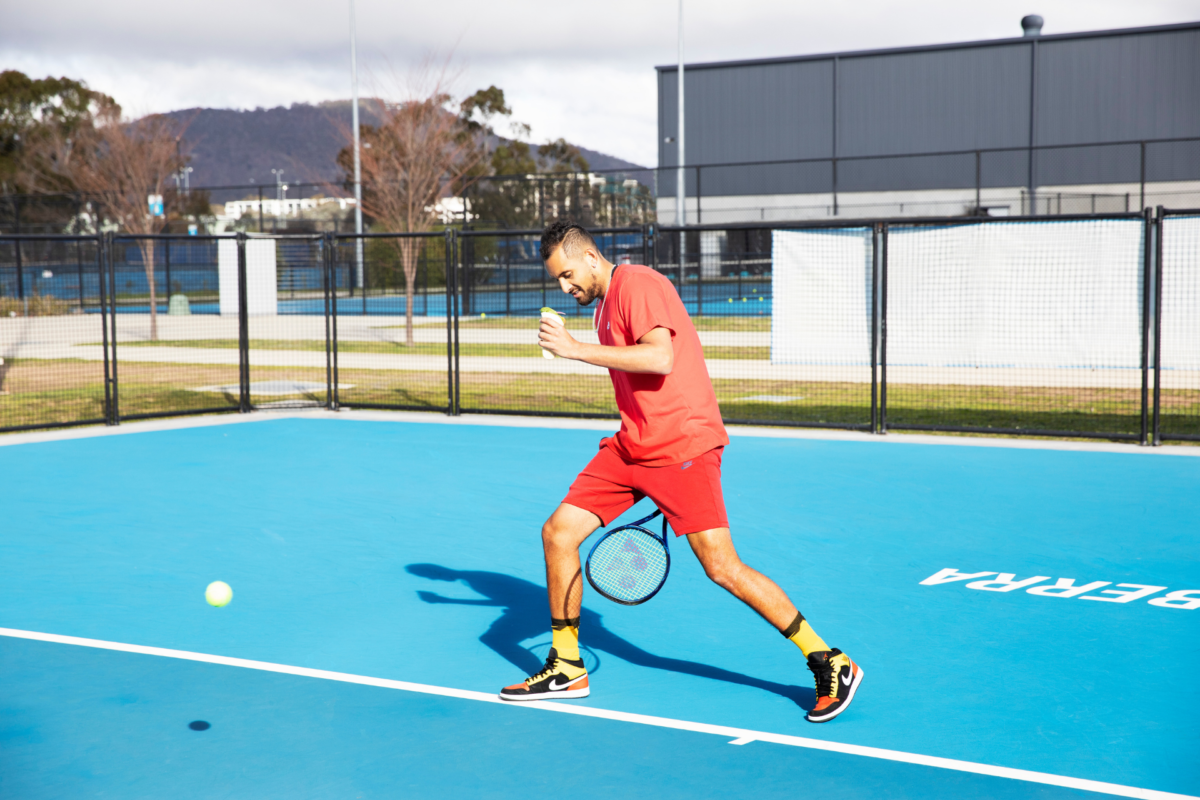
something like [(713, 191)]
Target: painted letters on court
[(1065, 587)]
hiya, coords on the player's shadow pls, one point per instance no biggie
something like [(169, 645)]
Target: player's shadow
[(524, 617)]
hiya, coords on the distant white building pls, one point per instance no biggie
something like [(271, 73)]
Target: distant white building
[(284, 208)]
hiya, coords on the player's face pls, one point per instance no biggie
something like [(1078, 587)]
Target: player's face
[(578, 276)]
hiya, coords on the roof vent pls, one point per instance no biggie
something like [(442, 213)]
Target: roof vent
[(1032, 25)]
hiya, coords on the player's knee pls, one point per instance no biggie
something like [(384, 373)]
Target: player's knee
[(722, 571), (554, 535)]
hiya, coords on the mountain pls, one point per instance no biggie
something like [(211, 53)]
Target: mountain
[(240, 148)]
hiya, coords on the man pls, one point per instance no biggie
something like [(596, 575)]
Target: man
[(669, 449)]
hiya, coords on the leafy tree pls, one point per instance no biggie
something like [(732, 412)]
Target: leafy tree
[(33, 111), (424, 148), (562, 156), (117, 162)]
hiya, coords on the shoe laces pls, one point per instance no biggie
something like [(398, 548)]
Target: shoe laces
[(550, 667), (823, 674)]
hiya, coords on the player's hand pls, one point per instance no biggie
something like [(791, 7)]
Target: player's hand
[(556, 339)]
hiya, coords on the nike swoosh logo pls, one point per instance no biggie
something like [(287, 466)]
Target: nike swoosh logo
[(555, 686), (846, 679)]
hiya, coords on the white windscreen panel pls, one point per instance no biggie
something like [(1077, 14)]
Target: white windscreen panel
[(262, 284), (1180, 348), (1055, 294), (821, 290)]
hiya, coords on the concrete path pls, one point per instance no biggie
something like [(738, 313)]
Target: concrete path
[(78, 337)]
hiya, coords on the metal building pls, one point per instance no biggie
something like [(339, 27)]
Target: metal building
[(1104, 121)]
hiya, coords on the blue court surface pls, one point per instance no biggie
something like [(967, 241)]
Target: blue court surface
[(388, 581)]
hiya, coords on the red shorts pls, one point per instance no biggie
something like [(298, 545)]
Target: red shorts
[(689, 494)]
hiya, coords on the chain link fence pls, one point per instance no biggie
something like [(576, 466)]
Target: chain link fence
[(1073, 326)]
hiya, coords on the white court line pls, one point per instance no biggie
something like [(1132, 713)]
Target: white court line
[(739, 736), (607, 425)]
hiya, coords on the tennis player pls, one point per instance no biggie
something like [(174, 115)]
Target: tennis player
[(668, 449)]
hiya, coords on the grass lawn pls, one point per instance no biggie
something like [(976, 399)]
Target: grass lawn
[(41, 392)]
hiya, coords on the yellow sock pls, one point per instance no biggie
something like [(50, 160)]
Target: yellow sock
[(565, 637), (804, 637)]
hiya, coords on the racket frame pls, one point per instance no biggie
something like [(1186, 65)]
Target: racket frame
[(587, 567)]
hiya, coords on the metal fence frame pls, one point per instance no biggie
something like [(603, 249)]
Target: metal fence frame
[(1157, 436), (1150, 223), (458, 278)]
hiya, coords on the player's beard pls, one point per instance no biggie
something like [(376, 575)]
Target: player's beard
[(588, 295)]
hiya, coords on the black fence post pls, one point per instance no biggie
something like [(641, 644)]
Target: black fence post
[(883, 290), (333, 319), (1158, 293), (101, 261), (327, 244), (466, 279), (448, 259), (699, 218), (79, 265), (243, 329), (167, 260), (457, 269), (1148, 232), (875, 233), (112, 322), (20, 275)]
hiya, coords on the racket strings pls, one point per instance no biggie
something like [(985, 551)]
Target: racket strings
[(628, 565)]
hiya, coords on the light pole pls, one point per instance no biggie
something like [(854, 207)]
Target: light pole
[(680, 184), (358, 228)]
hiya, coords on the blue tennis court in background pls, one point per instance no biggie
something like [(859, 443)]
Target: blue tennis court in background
[(388, 580)]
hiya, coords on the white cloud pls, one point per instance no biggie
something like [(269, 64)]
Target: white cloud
[(581, 71)]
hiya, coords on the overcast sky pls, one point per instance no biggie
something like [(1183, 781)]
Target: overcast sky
[(581, 71)]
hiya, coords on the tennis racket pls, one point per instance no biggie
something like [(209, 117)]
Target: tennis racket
[(630, 564)]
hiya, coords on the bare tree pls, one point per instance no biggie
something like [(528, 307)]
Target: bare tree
[(423, 149), (118, 163)]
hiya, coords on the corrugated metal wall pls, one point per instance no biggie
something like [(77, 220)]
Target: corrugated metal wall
[(1115, 86)]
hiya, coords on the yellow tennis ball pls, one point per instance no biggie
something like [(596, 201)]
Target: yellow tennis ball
[(218, 594)]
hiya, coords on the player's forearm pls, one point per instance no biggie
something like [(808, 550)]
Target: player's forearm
[(647, 358)]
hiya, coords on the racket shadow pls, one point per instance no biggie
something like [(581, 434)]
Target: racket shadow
[(523, 617)]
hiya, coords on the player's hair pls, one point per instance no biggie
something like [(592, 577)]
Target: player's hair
[(573, 238)]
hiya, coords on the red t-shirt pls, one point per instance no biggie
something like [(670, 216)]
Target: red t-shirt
[(665, 419)]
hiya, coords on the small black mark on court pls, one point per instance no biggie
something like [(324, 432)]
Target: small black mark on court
[(199, 725)]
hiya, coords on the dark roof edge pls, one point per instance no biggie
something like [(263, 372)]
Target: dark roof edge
[(932, 47)]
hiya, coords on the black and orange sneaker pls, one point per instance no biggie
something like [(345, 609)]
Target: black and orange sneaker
[(560, 678), (837, 680)]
